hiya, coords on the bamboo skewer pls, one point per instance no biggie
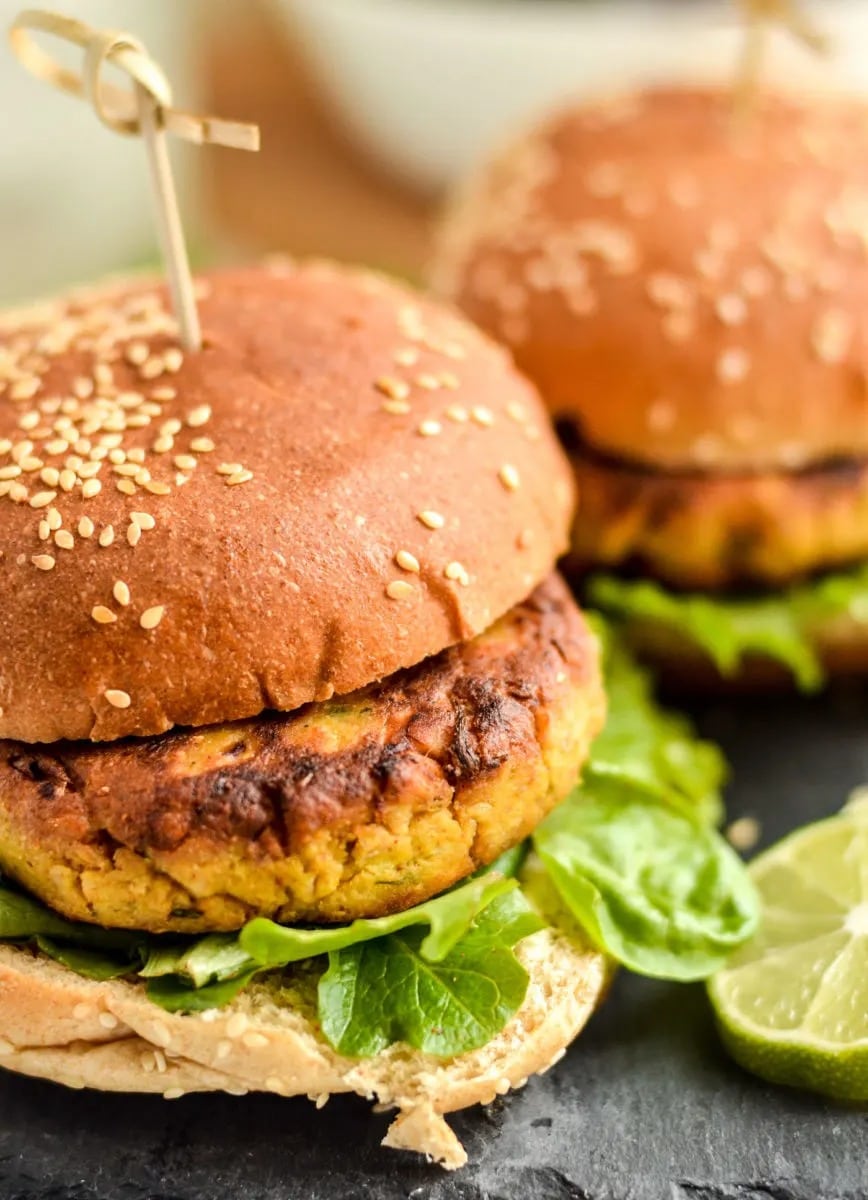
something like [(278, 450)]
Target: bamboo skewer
[(146, 110)]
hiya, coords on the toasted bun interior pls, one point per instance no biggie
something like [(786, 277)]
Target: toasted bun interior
[(70, 1030), (347, 479)]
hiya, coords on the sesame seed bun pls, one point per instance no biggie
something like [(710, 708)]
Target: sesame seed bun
[(58, 1026), (691, 291), (347, 479)]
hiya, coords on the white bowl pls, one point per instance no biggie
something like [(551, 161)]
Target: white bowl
[(426, 86)]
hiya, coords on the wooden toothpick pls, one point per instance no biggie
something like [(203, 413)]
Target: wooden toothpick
[(146, 111), (758, 15)]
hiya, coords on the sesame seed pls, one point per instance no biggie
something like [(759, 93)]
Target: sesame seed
[(731, 309), (240, 477), (103, 615), (30, 420), (395, 389), (407, 356), (82, 387), (163, 444), (151, 617), (433, 520), (185, 462), (126, 468), (136, 455), (143, 520), (117, 698), (229, 468), (156, 487), (255, 1041), (399, 589), (44, 531), (164, 393), (107, 536), (660, 415), (457, 413), (134, 534), (449, 380), (121, 593), (54, 519), (64, 539), (137, 353), (237, 1024), (68, 479), (744, 833), (199, 416), (117, 457), (10, 472), (173, 358), (173, 1093), (126, 486), (407, 561), (202, 445), (430, 428), (509, 477), (151, 368), (457, 572), (171, 427), (42, 499), (482, 416), (89, 470), (108, 1020), (43, 562), (430, 383), (397, 408), (91, 488), (733, 366), (830, 338)]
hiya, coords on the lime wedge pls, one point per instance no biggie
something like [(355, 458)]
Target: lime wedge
[(792, 1005)]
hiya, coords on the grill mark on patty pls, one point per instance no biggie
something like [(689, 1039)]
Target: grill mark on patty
[(307, 787)]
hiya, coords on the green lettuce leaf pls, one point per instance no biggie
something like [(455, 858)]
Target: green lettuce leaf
[(211, 971), (778, 626), (648, 747), (448, 918), (389, 990), (659, 890)]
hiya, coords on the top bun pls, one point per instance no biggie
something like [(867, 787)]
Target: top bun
[(691, 290), (347, 479)]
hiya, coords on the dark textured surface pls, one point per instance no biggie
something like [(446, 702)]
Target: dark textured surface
[(644, 1107)]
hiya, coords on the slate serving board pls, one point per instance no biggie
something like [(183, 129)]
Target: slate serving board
[(644, 1107)]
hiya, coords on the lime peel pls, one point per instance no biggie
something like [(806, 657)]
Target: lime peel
[(792, 1005)]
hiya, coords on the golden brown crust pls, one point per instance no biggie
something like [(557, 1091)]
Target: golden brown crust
[(347, 808), (692, 292), (275, 582), (706, 531)]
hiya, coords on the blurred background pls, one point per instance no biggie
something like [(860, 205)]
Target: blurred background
[(369, 109)]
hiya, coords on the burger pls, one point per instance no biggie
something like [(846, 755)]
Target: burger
[(687, 286), (287, 681)]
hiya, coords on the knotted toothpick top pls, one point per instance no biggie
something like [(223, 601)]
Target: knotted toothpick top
[(145, 110), (758, 16)]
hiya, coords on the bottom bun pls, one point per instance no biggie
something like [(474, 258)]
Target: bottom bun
[(59, 1026), (680, 664)]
